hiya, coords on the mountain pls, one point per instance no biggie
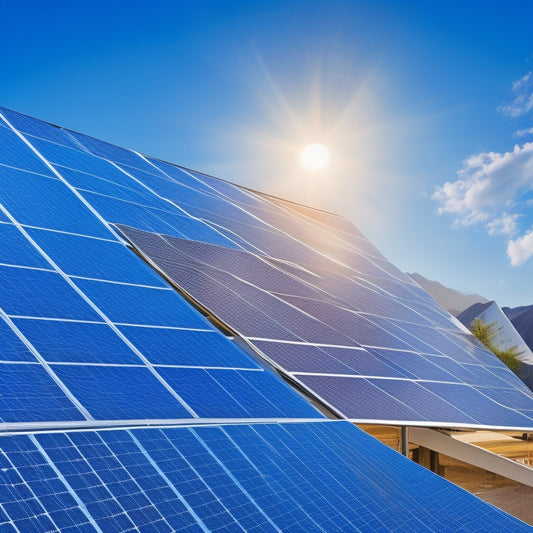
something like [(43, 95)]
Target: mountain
[(522, 320), (453, 301)]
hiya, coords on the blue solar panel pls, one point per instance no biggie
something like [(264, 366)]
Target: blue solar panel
[(114, 184), (365, 401), (123, 392), (17, 250), (109, 340), (414, 366), (476, 404), (29, 394), (38, 128), (236, 393), (38, 293), (289, 477), (76, 342), (12, 348), (47, 203), (16, 153), (324, 328), (83, 252), (134, 304), (112, 152), (187, 347)]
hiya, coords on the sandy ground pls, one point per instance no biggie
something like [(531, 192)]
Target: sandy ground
[(516, 500)]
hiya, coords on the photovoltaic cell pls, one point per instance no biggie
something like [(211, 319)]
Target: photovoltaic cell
[(29, 394), (76, 342), (39, 293), (16, 153), (134, 304), (16, 250), (13, 349), (187, 347), (297, 477), (47, 203), (38, 128), (77, 256), (125, 392)]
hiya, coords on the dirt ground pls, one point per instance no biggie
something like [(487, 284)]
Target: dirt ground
[(509, 496), (516, 500)]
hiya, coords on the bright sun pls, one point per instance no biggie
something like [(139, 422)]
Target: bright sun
[(315, 157)]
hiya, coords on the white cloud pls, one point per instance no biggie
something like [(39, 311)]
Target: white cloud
[(523, 101), (504, 225), (489, 184), (520, 249), (495, 189), (523, 133)]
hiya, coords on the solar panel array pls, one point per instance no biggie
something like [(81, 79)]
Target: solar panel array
[(95, 343)]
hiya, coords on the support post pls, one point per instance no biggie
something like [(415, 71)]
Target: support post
[(405, 441)]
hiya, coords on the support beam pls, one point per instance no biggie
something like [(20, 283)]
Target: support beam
[(468, 453)]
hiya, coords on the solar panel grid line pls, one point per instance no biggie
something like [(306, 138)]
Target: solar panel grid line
[(272, 295), (303, 469), (56, 319), (115, 282), (53, 169), (62, 232), (234, 479), (182, 289), (3, 165), (71, 491), (289, 236), (137, 505), (259, 473), (298, 383), (371, 376), (91, 482), (25, 267), (331, 237), (306, 343), (38, 428), (177, 206), (117, 331), (127, 201), (127, 194), (193, 462), (41, 509), (199, 521), (44, 364), (215, 194)]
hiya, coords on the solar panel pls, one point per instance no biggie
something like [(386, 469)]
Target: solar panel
[(298, 477), (94, 344), (72, 293), (440, 360)]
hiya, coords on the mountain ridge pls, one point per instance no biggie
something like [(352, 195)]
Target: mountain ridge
[(452, 300)]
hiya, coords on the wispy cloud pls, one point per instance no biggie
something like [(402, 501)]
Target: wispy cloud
[(523, 133), (494, 189), (523, 100), (505, 225)]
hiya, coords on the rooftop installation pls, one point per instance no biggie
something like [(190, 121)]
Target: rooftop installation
[(96, 344)]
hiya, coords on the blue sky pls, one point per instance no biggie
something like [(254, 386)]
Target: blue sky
[(427, 108)]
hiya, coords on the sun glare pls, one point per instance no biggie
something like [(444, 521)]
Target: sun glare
[(315, 157)]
